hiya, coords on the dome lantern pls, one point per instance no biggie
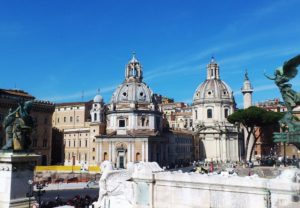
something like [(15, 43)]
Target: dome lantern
[(133, 70)]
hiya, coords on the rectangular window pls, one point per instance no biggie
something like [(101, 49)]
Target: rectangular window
[(77, 119), (209, 113), (122, 123), (226, 111), (85, 143), (71, 119), (65, 119), (74, 143)]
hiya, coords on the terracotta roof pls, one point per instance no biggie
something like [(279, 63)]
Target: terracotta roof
[(17, 93)]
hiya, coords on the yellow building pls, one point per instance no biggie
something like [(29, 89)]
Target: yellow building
[(79, 123)]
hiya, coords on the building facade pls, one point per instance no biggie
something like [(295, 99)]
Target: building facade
[(213, 101), (79, 123), (42, 116), (134, 123)]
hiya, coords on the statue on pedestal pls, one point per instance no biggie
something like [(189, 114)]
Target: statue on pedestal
[(18, 125), (291, 98)]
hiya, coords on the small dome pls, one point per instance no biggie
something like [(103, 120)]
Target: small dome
[(98, 99), (212, 89)]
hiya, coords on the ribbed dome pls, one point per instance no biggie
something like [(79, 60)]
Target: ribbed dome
[(212, 89), (132, 92)]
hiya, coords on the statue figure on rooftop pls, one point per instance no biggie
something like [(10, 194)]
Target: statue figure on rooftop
[(18, 125)]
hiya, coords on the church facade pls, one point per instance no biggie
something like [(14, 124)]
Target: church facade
[(133, 123), (215, 138)]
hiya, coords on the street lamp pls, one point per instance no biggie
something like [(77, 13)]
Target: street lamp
[(30, 192), (40, 192)]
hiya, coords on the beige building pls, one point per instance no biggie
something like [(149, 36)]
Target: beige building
[(71, 115), (80, 122), (42, 115)]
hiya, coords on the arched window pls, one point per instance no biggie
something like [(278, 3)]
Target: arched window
[(143, 121), (137, 157), (105, 156), (95, 116), (209, 113), (196, 114)]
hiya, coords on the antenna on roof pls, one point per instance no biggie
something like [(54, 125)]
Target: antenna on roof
[(82, 95)]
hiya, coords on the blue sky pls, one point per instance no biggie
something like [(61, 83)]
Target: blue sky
[(56, 50)]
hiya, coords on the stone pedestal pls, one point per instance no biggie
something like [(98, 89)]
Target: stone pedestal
[(15, 171)]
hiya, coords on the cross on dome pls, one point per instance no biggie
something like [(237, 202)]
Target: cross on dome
[(133, 59)]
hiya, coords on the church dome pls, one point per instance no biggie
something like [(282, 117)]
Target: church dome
[(133, 89), (213, 88), (132, 92), (98, 99)]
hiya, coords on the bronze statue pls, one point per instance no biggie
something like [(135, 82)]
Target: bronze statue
[(284, 74), (291, 98), (18, 125)]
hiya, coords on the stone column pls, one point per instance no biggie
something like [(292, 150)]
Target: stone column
[(143, 151), (147, 151), (100, 153), (113, 153), (129, 152), (132, 153), (109, 151)]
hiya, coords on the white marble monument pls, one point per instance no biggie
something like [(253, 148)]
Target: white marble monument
[(146, 185), (15, 171)]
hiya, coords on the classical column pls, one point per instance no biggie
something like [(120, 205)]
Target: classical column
[(132, 153), (147, 151), (113, 152), (99, 156), (129, 152), (109, 151), (143, 151)]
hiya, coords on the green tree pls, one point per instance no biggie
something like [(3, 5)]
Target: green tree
[(253, 119)]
